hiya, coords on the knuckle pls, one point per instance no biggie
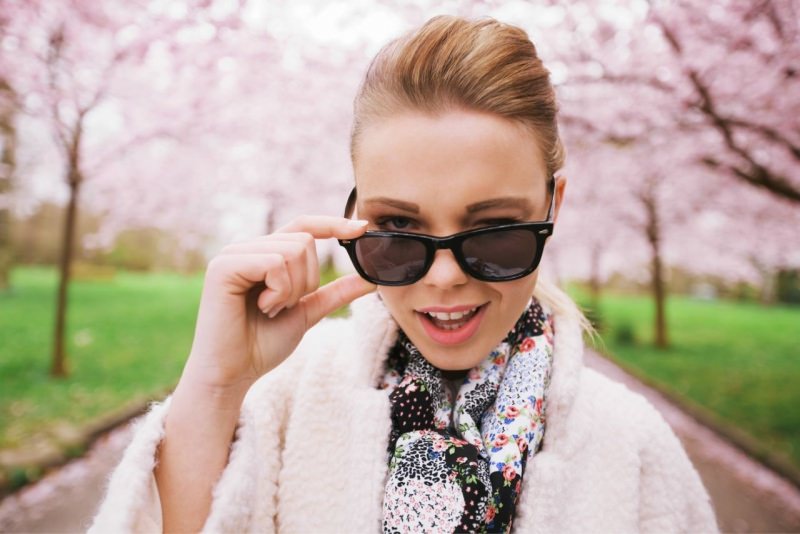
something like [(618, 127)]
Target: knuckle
[(300, 251), (215, 264), (281, 280), (307, 239), (314, 281), (217, 268)]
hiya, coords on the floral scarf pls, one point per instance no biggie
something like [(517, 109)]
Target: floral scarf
[(456, 465)]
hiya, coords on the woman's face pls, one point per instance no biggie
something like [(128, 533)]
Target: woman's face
[(440, 175)]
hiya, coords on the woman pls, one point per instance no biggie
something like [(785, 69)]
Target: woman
[(425, 410)]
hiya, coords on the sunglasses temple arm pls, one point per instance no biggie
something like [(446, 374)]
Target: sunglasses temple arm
[(550, 210), (351, 203)]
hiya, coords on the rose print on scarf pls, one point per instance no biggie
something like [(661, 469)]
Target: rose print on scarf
[(478, 442)]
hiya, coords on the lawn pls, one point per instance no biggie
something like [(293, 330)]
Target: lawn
[(127, 339), (741, 361)]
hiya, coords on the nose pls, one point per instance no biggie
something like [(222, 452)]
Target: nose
[(445, 272)]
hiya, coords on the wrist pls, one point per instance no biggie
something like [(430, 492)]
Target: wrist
[(211, 392)]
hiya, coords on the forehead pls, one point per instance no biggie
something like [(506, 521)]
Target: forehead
[(449, 161)]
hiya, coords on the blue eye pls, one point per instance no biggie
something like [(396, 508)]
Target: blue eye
[(394, 223)]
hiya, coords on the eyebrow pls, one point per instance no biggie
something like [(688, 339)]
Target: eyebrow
[(503, 202), (493, 203), (394, 203)]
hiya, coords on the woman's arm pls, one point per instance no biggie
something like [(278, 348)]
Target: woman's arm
[(198, 433), (259, 299)]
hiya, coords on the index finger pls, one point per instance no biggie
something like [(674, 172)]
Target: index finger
[(324, 227)]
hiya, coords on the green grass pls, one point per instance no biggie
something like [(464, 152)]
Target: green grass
[(741, 361), (129, 336), (127, 339)]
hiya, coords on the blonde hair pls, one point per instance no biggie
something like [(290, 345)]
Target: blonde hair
[(454, 63), (552, 297)]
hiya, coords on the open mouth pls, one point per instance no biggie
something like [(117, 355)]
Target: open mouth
[(451, 320), (454, 326)]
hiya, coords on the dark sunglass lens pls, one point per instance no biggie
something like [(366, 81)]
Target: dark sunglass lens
[(500, 254), (390, 259)]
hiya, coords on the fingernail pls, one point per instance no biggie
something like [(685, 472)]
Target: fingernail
[(274, 312), (357, 223)]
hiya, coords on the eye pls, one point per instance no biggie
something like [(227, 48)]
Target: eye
[(394, 223)]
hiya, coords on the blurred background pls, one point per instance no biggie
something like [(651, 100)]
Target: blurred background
[(138, 137)]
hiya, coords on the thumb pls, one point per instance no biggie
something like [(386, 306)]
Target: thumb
[(333, 296)]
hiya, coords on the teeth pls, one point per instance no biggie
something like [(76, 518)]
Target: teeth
[(454, 316)]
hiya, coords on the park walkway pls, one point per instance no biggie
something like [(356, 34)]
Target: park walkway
[(747, 497)]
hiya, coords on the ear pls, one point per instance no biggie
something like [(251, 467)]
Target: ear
[(561, 185)]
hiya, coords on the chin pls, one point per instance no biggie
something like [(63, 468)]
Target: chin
[(463, 356)]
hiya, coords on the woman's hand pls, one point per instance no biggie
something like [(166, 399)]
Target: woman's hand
[(261, 296), (259, 299)]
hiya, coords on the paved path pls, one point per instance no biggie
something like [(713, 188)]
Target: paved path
[(747, 496), (65, 501)]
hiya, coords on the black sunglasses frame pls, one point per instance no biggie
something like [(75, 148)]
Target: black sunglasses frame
[(540, 229)]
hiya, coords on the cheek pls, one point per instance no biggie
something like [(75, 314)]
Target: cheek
[(515, 297), (392, 297)]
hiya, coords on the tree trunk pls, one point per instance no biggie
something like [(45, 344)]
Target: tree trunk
[(659, 292), (657, 274), (270, 220), (274, 199), (595, 286), (8, 138), (594, 277), (59, 367)]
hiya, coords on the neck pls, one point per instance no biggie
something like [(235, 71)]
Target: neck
[(454, 374)]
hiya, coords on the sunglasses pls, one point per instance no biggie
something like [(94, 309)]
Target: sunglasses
[(498, 253)]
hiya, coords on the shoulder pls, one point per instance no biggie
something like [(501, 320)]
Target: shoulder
[(634, 437), (607, 421), (613, 406)]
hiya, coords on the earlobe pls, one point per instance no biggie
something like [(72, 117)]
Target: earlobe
[(561, 185)]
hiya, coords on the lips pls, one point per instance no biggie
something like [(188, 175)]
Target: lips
[(451, 326)]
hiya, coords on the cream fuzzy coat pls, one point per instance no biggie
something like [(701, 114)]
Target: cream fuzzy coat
[(310, 450)]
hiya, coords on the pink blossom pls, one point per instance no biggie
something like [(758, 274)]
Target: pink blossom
[(528, 345), (490, 513), (508, 472)]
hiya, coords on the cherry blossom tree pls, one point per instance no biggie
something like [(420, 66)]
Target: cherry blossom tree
[(740, 63), (68, 60), (667, 140), (215, 118)]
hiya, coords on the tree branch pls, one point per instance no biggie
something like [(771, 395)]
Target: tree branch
[(753, 172)]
